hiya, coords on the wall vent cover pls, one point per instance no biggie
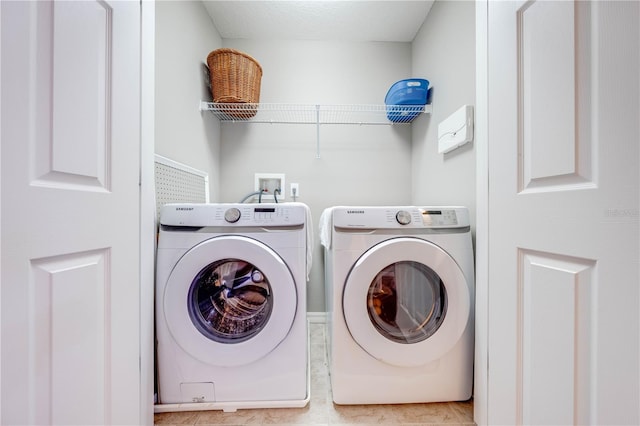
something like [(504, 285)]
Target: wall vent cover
[(179, 183)]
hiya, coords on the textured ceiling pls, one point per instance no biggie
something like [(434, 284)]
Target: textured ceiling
[(319, 20)]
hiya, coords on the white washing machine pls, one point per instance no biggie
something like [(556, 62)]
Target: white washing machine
[(400, 291), (231, 306)]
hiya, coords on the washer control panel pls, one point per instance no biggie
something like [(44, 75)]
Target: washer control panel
[(410, 217), (265, 214), (268, 214), (444, 217)]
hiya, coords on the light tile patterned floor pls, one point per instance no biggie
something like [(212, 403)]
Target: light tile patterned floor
[(322, 411)]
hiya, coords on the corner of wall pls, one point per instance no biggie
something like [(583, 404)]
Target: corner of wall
[(443, 52), (185, 35)]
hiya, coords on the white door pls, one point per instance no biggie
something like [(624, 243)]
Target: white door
[(70, 192), (563, 212)]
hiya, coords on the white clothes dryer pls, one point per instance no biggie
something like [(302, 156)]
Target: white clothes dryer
[(231, 306), (400, 291)]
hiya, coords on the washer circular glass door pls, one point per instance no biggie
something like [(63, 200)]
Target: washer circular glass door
[(406, 302), (230, 301)]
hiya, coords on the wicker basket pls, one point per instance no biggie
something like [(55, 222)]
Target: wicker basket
[(235, 78)]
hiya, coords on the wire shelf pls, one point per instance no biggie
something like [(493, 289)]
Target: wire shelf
[(315, 114)]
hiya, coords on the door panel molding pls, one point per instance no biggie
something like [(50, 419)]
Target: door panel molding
[(70, 301), (555, 92), (71, 99), (556, 337)]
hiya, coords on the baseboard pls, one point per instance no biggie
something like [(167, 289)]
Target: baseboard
[(317, 317)]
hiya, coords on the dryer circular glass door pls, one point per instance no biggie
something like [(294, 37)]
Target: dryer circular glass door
[(230, 301), (406, 302)]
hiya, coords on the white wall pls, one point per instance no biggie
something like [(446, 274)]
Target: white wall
[(184, 37), (443, 52), (358, 165)]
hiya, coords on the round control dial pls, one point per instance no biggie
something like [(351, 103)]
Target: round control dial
[(403, 217), (232, 215)]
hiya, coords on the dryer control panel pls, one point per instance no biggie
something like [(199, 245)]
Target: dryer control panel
[(411, 217), (265, 214)]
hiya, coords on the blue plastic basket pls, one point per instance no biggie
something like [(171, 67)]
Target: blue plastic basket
[(406, 99)]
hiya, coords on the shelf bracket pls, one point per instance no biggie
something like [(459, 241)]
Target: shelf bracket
[(317, 131)]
